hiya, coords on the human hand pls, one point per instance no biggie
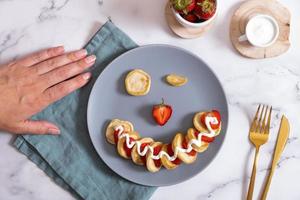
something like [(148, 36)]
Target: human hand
[(29, 85)]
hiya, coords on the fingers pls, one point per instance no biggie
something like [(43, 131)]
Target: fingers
[(42, 56), (65, 72), (64, 88), (36, 127), (59, 61)]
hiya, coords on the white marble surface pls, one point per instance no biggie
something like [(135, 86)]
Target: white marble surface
[(27, 26)]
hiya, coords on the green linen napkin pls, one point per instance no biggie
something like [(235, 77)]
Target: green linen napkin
[(70, 158)]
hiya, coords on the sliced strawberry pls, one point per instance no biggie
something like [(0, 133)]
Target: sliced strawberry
[(205, 9), (190, 17), (202, 119), (192, 153), (157, 163), (170, 151), (116, 136), (204, 138), (217, 115), (207, 139), (185, 146), (143, 158), (128, 150), (144, 145), (162, 113), (213, 113), (177, 161), (156, 151)]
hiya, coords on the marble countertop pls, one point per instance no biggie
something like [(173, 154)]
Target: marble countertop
[(27, 26)]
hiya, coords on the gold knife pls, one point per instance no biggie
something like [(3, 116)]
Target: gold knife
[(282, 138)]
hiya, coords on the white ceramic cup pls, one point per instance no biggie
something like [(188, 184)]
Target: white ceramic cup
[(261, 31), (188, 24)]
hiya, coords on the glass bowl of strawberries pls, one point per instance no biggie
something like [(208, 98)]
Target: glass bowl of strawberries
[(194, 13)]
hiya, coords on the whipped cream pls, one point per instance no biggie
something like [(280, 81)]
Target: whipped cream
[(198, 142)]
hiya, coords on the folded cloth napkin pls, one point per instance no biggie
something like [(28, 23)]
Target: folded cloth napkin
[(70, 158)]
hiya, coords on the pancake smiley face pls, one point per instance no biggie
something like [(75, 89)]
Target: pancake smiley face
[(183, 148)]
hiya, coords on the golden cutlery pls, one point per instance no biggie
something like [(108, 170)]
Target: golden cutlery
[(258, 135), (282, 138)]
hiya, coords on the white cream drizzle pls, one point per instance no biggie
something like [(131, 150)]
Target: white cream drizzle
[(198, 142)]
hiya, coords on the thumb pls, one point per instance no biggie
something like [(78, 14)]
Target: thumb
[(37, 127)]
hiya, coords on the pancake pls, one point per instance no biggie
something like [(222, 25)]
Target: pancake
[(202, 127), (153, 166), (137, 82), (110, 130), (176, 80), (165, 161), (136, 158), (122, 142), (191, 135), (185, 157), (197, 122)]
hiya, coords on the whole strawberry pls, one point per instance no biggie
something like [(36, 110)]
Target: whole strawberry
[(162, 113), (205, 9), (183, 6), (190, 17)]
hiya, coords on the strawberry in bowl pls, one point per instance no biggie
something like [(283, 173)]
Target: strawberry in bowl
[(194, 13), (205, 9), (184, 6)]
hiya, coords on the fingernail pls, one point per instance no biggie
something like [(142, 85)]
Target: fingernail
[(86, 76), (90, 59), (59, 49), (81, 53), (54, 131)]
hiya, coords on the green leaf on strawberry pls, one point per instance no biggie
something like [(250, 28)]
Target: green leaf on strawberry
[(183, 6), (205, 9)]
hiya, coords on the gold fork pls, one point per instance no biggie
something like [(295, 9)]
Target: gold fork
[(258, 135)]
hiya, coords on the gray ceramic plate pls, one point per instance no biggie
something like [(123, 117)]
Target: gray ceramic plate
[(109, 100)]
